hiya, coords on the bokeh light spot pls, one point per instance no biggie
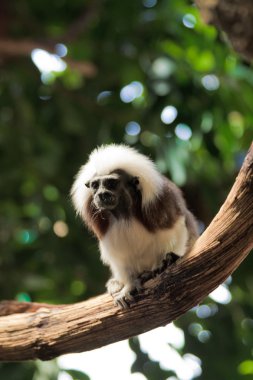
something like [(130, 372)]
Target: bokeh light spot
[(210, 82), (163, 67), (149, 3), (204, 311), (221, 294), (183, 132), (204, 336), (169, 114), (103, 97), (133, 128), (131, 92), (47, 62), (44, 224), (50, 193), (60, 229), (77, 287), (26, 236), (61, 50), (189, 21), (23, 297)]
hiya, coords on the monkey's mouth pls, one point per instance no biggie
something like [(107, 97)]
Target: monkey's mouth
[(105, 201)]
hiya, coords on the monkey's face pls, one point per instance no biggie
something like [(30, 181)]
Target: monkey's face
[(113, 191)]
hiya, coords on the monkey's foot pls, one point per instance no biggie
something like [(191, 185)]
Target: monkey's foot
[(126, 295), (169, 259), (146, 275), (114, 286)]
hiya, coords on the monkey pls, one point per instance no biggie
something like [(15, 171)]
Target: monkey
[(136, 213)]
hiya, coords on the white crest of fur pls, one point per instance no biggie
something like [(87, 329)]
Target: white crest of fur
[(107, 158)]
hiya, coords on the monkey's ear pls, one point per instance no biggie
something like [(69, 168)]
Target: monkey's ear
[(87, 184)]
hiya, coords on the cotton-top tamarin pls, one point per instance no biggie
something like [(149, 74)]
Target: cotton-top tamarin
[(136, 213)]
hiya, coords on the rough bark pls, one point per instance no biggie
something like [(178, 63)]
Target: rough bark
[(50, 331), (234, 17)]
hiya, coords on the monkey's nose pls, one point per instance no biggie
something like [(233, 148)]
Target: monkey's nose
[(106, 197)]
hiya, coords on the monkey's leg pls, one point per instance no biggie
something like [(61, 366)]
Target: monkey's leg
[(114, 286), (127, 293), (123, 295)]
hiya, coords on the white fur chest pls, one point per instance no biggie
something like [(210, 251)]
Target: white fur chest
[(128, 247)]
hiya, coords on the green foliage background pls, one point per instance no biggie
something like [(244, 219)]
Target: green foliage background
[(49, 124)]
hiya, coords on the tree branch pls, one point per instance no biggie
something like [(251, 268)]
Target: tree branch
[(14, 48), (51, 331), (23, 47), (234, 17), (82, 23)]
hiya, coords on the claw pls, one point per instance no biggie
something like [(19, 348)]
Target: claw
[(171, 258), (125, 296), (123, 301), (146, 275)]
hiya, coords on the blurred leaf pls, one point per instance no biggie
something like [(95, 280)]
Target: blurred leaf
[(77, 375), (246, 367)]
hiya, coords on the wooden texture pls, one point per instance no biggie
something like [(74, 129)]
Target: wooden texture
[(47, 331), (234, 17)]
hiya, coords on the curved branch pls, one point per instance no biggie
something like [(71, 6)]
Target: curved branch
[(52, 331)]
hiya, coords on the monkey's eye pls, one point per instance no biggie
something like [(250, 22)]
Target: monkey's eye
[(134, 181), (111, 183), (94, 185)]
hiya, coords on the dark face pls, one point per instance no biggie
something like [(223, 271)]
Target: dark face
[(113, 192)]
